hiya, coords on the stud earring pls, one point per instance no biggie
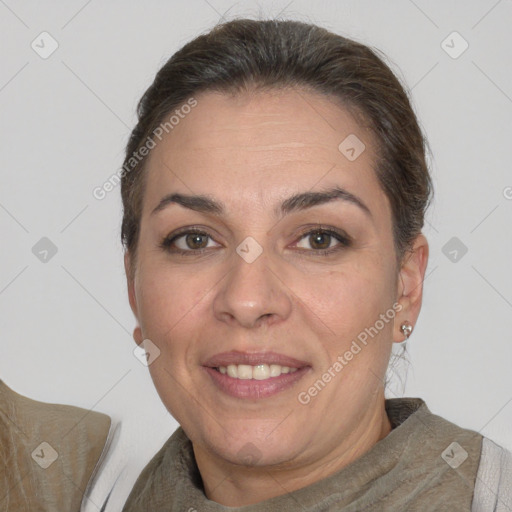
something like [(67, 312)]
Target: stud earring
[(406, 329)]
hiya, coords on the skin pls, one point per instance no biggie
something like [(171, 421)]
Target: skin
[(251, 151)]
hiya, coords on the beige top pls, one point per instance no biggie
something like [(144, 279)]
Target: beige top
[(425, 463), (48, 453)]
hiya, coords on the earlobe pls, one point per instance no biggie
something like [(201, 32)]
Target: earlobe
[(410, 285), (137, 335)]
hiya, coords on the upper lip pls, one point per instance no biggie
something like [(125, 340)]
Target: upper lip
[(253, 359)]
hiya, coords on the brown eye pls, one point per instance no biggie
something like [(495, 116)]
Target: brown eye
[(320, 241), (188, 242), (195, 241)]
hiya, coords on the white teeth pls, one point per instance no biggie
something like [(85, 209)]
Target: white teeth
[(261, 372), (258, 372), (275, 370), (244, 371)]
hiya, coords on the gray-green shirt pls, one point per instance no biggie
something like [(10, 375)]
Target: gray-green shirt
[(425, 463)]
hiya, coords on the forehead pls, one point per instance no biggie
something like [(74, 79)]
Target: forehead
[(253, 148)]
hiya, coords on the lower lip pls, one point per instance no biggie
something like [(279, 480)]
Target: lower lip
[(252, 388)]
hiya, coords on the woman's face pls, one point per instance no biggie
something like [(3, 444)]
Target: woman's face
[(258, 287)]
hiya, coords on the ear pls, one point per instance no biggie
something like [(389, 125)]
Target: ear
[(137, 332), (410, 285)]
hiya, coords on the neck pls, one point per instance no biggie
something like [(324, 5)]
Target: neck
[(235, 486)]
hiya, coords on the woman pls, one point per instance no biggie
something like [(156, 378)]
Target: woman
[(274, 192)]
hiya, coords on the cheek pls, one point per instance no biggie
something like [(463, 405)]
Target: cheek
[(347, 300), (171, 313), (171, 302), (352, 306)]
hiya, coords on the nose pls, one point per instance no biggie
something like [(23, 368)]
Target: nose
[(252, 294)]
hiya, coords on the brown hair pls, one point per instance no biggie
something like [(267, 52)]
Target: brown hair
[(244, 53)]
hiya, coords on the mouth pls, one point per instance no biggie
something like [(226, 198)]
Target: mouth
[(254, 375)]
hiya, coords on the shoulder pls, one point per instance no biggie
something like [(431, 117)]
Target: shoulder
[(493, 485), (66, 441), (490, 465)]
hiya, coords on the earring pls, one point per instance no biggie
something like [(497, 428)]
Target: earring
[(406, 329)]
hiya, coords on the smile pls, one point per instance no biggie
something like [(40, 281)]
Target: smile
[(254, 382), (258, 372)]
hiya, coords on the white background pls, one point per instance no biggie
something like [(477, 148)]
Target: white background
[(66, 326)]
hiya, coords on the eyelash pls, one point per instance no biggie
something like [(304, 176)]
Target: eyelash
[(340, 236)]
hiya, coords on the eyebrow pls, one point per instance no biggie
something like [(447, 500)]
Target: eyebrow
[(297, 202)]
